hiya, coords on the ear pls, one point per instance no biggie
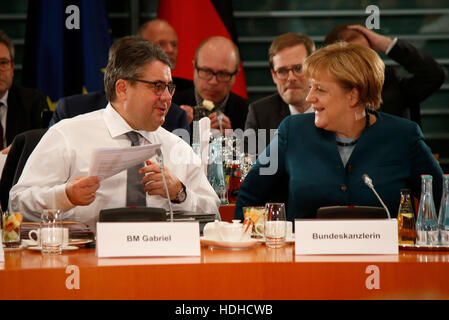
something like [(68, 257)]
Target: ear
[(353, 97), (273, 76), (121, 89)]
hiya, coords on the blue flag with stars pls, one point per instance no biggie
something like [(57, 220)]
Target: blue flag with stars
[(66, 47)]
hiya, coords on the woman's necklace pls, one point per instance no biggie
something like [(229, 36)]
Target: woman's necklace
[(353, 142)]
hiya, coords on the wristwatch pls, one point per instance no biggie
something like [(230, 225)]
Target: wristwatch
[(181, 196)]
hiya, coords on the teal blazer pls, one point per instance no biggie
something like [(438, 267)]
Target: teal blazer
[(392, 152)]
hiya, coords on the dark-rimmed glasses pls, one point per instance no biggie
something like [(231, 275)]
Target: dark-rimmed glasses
[(158, 86), (282, 73), (207, 74), (5, 64)]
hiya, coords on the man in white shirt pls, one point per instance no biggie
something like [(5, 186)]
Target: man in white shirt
[(286, 56), (139, 88)]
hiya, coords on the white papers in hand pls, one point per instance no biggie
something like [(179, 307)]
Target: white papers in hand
[(108, 161)]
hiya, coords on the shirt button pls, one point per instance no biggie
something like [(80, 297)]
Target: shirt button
[(344, 188), (349, 168)]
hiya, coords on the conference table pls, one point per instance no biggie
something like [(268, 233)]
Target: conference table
[(257, 273)]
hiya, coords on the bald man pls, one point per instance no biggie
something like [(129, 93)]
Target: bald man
[(160, 32), (215, 68)]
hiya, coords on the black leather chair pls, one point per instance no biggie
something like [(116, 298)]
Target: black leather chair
[(21, 148)]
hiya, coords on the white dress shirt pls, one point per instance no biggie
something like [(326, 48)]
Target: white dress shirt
[(64, 153)]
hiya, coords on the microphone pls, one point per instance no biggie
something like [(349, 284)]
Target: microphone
[(369, 183), (160, 161)]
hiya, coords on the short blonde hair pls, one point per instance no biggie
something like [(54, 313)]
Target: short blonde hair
[(353, 66)]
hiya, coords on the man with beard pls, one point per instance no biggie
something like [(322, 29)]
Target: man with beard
[(286, 56), (139, 89), (20, 108)]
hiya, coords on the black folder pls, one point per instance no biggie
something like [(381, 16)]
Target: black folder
[(351, 212)]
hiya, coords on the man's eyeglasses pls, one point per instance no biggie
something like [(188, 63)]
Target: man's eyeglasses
[(158, 86), (207, 74), (5, 64), (282, 73)]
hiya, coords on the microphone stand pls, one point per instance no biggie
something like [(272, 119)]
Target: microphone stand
[(369, 183), (160, 161)]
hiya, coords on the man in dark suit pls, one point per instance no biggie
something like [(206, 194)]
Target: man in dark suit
[(160, 32), (20, 108), (401, 96), (72, 106), (286, 56), (215, 67)]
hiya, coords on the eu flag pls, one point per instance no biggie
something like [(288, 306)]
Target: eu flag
[(66, 47)]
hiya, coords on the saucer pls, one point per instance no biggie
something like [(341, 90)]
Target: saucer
[(68, 248), (228, 244)]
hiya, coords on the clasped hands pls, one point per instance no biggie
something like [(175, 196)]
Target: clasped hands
[(81, 191), (214, 124)]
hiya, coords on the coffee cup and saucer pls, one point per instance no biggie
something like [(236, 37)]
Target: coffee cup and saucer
[(35, 236)]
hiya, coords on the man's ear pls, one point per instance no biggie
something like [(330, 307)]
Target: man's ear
[(121, 89)]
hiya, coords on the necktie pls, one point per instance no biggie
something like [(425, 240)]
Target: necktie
[(1, 130), (135, 195)]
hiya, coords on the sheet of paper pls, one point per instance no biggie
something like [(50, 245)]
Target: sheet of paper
[(2, 162), (204, 125), (108, 161)]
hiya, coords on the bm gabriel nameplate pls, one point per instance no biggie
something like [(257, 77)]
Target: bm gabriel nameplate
[(377, 236), (148, 239)]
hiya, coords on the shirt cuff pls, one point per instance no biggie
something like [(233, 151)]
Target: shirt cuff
[(391, 45), (62, 201)]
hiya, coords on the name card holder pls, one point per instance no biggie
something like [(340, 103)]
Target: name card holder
[(148, 239), (377, 236)]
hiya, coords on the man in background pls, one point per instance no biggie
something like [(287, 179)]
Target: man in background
[(20, 108), (401, 95), (215, 68), (286, 56)]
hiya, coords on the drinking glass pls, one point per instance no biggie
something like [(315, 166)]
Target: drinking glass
[(11, 222), (275, 225), (51, 232)]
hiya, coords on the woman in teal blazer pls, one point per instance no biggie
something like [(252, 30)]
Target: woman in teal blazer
[(324, 155)]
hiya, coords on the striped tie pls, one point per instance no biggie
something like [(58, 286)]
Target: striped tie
[(135, 195)]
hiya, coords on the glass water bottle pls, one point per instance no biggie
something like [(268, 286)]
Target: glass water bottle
[(215, 173), (426, 223), (406, 219), (443, 217)]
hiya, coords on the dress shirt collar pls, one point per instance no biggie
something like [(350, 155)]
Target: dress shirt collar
[(117, 126), (4, 99)]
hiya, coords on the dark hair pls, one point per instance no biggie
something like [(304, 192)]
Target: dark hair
[(8, 43), (288, 40), (127, 56), (337, 31)]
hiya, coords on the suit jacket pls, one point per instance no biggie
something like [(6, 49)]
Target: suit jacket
[(236, 107), (402, 95), (182, 84), (25, 108), (72, 106), (266, 113), (392, 152), (21, 147)]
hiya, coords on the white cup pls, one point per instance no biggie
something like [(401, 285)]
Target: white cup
[(234, 231), (37, 233)]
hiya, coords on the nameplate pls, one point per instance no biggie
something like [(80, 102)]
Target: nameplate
[(377, 236), (148, 239)]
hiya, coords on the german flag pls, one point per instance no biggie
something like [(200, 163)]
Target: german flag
[(194, 21)]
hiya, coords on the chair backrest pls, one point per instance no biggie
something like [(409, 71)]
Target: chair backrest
[(21, 148)]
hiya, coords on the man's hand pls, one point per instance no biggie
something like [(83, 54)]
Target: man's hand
[(189, 111), (81, 190), (225, 122), (378, 42), (6, 150), (154, 185)]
